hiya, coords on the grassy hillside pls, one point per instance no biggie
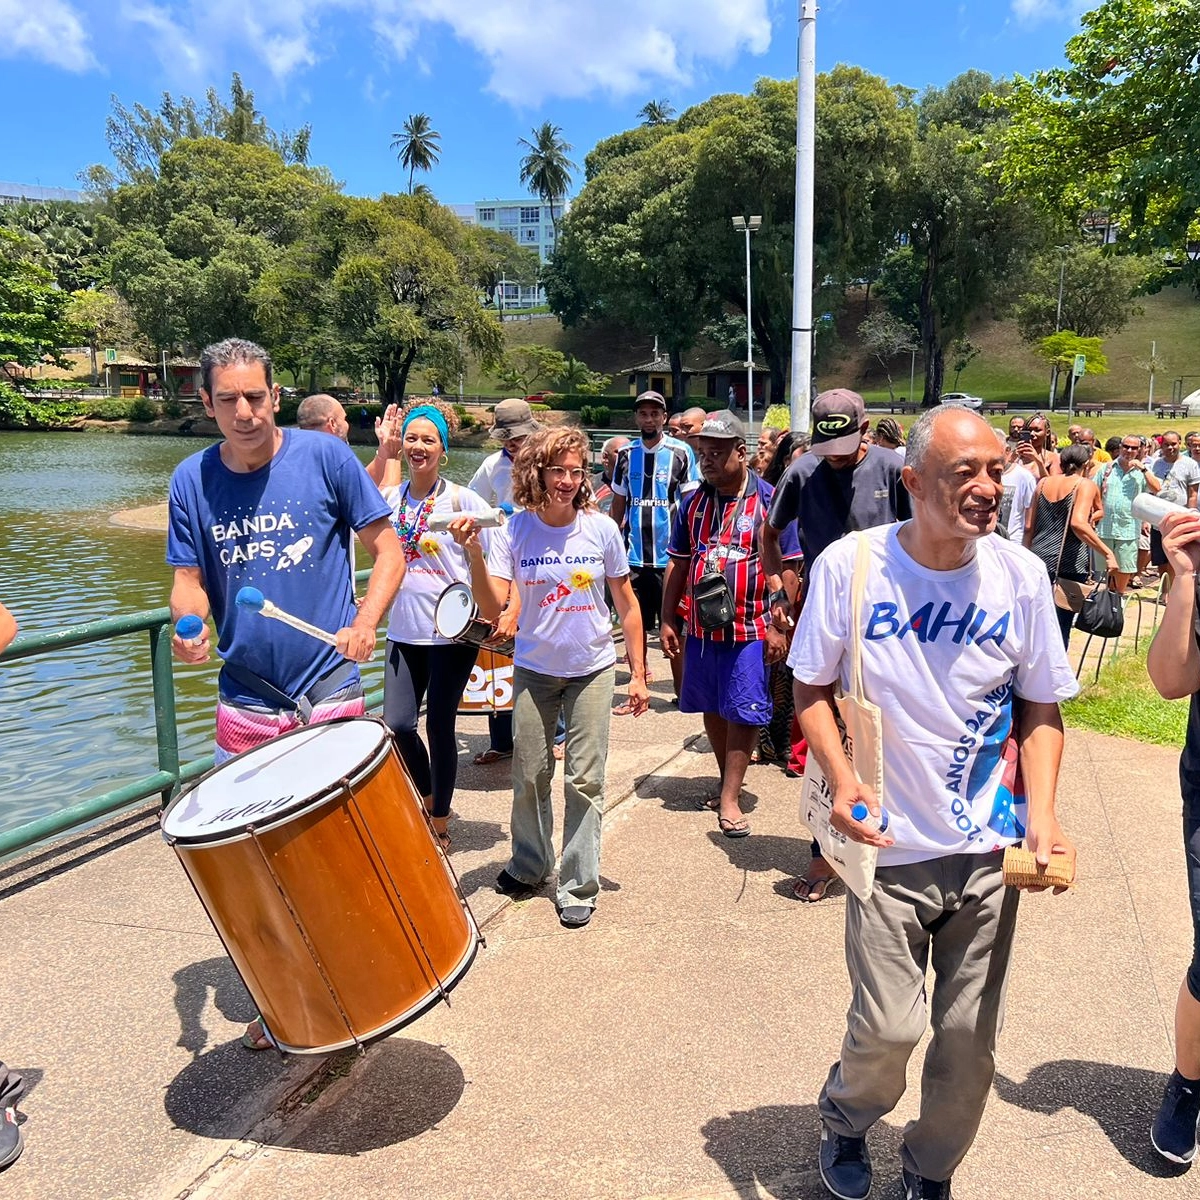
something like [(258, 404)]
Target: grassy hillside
[(1007, 369)]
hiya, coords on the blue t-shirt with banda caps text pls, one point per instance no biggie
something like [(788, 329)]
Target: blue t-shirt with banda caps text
[(284, 529)]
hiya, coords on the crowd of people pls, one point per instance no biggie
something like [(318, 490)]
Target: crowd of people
[(921, 562)]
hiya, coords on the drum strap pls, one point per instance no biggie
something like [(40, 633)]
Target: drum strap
[(302, 706)]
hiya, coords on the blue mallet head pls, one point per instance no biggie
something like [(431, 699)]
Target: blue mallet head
[(189, 627), (251, 597)]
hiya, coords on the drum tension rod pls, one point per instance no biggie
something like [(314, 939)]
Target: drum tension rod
[(333, 995), (445, 995)]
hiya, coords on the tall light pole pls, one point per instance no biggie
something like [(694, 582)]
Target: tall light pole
[(802, 252), (748, 225), (1062, 271)]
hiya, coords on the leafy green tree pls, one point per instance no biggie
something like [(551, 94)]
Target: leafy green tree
[(1098, 294), (965, 237), (488, 256), (962, 354), (629, 244), (101, 318), (379, 284), (139, 137), (61, 236), (524, 366), (33, 323), (883, 336), (657, 112), (417, 145), (546, 170), (187, 247), (1059, 349), (1115, 129), (577, 377)]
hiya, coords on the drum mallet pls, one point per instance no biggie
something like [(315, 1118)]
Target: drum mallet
[(189, 628), (252, 598)]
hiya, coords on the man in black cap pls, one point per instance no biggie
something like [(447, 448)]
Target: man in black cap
[(646, 485), (842, 484)]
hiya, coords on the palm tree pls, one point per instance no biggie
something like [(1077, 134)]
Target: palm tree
[(546, 169), (418, 146), (657, 112)]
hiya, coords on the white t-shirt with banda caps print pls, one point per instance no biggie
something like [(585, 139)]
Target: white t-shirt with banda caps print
[(943, 654), (564, 628)]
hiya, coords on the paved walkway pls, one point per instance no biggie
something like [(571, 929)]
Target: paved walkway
[(674, 1048)]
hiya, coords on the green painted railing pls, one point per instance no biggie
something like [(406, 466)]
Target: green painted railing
[(156, 623)]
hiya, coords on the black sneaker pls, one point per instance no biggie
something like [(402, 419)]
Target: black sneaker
[(917, 1187), (1175, 1133), (845, 1165), (509, 885), (11, 1141), (575, 916)]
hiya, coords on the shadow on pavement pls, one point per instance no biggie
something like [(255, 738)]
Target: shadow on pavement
[(476, 835), (763, 851), (1121, 1100), (773, 1151), (223, 1093), (193, 984), (402, 1089)]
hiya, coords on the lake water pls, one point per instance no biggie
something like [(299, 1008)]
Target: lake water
[(81, 721)]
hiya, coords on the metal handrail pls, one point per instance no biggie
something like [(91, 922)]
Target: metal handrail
[(171, 774)]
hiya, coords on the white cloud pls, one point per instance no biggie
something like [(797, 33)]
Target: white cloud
[(50, 31), (533, 50), (577, 48)]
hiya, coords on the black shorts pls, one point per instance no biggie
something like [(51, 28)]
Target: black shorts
[(1158, 556), (647, 584)]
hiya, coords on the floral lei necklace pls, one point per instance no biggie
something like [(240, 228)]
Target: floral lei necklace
[(411, 530)]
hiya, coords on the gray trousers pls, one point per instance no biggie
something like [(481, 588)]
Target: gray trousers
[(958, 908), (586, 702)]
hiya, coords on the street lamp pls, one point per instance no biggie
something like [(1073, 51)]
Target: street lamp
[(748, 225), (1062, 271)]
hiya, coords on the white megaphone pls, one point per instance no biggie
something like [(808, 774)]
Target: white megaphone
[(1152, 510)]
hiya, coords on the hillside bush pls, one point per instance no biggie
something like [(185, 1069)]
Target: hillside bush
[(26, 412), (141, 408)]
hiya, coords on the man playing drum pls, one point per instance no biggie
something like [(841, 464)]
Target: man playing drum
[(276, 510)]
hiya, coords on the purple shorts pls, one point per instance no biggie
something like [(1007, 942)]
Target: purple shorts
[(726, 678)]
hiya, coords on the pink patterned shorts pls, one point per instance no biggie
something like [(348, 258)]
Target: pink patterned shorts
[(241, 728)]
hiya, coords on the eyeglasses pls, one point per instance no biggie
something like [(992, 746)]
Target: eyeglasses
[(558, 474), (1135, 447)]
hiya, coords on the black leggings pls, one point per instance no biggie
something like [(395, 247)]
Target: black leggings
[(438, 675), (1191, 849)]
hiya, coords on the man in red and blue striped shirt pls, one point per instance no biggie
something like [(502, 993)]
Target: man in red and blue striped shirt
[(726, 666)]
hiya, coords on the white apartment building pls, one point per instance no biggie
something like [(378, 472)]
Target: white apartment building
[(17, 193), (529, 223)]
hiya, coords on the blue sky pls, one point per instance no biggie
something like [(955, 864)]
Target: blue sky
[(486, 71)]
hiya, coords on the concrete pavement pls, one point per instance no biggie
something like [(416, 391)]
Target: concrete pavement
[(674, 1048)]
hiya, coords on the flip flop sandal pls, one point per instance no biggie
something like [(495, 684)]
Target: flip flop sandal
[(260, 1042), (486, 757), (812, 891), (738, 828)]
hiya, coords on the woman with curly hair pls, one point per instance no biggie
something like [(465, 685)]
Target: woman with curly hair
[(421, 665), (559, 552)]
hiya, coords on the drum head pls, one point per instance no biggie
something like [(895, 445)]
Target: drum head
[(277, 778), (455, 610)]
